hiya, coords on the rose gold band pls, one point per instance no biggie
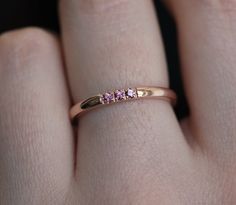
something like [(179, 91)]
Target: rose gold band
[(121, 96)]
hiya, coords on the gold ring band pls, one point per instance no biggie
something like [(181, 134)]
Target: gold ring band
[(121, 95)]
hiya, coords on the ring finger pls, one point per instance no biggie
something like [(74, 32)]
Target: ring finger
[(109, 45)]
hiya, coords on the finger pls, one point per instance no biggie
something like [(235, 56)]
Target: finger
[(109, 45), (36, 140), (207, 42)]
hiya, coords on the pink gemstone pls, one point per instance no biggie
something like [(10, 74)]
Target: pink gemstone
[(108, 97), (119, 94), (131, 93)]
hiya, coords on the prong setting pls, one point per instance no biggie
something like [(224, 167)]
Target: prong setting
[(131, 93), (108, 97), (118, 95)]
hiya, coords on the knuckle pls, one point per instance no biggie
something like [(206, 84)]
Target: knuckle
[(24, 45)]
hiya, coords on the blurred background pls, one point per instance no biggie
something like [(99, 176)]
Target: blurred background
[(43, 13)]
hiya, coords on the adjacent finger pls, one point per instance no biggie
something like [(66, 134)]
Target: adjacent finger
[(110, 45), (36, 155), (207, 32)]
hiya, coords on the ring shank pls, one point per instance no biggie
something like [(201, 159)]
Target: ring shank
[(157, 92), (142, 92)]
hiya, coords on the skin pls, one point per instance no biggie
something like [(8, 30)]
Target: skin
[(130, 153)]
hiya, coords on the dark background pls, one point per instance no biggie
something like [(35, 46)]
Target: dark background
[(20, 13)]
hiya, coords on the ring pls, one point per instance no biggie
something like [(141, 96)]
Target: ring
[(121, 95)]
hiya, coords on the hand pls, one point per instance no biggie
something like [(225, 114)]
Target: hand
[(130, 153)]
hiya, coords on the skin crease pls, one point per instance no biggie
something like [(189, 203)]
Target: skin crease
[(130, 153)]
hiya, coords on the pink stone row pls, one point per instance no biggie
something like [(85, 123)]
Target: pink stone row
[(118, 95)]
